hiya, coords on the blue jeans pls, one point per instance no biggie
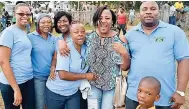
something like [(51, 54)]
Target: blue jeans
[(104, 98), (39, 86), (172, 20), (27, 91), (122, 27), (131, 104), (56, 101)]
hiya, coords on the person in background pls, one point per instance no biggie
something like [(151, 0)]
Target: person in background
[(180, 11), (179, 5), (122, 20), (13, 19), (131, 15), (16, 78), (3, 22), (36, 14), (172, 15), (51, 14), (165, 13), (43, 56)]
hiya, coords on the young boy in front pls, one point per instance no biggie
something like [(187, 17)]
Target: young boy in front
[(148, 92)]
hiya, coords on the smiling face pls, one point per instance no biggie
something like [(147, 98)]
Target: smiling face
[(22, 14), (45, 24), (147, 94), (77, 32), (63, 24), (149, 13), (105, 21)]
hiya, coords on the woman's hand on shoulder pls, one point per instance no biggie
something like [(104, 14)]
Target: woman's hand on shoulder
[(63, 48)]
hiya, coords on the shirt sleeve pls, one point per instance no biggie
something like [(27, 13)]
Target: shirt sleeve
[(63, 62), (7, 39), (181, 45)]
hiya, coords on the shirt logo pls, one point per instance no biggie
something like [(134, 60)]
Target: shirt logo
[(159, 39)]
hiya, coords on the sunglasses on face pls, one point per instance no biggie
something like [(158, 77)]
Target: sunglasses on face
[(23, 14)]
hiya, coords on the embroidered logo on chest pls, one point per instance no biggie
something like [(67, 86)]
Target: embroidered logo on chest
[(159, 39)]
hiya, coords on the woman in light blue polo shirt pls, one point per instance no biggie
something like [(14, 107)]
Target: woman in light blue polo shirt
[(43, 56), (64, 90), (16, 78), (62, 22)]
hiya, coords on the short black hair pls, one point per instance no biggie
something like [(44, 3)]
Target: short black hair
[(153, 81), (98, 13), (20, 2), (57, 18)]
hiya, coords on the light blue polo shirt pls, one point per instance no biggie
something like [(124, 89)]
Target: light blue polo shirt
[(20, 59), (155, 55), (42, 54), (71, 63)]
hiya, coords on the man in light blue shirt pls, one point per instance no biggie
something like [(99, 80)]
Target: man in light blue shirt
[(154, 47)]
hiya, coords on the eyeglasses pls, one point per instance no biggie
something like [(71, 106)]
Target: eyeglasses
[(23, 14)]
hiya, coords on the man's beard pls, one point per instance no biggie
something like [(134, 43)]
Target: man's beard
[(152, 24)]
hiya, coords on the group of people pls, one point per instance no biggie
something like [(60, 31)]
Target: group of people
[(40, 71), (4, 19), (171, 13)]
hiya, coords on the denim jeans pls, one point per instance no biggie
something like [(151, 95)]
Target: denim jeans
[(56, 101), (27, 91), (131, 104), (39, 86), (172, 20), (104, 98), (122, 27)]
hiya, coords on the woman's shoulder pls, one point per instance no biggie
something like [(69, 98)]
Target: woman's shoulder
[(9, 30), (91, 34)]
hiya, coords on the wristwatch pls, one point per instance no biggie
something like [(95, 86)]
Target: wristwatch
[(180, 93)]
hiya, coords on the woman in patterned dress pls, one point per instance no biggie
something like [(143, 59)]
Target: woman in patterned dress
[(107, 54)]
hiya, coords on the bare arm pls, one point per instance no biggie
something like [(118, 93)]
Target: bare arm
[(5, 54), (69, 76), (53, 66), (126, 61), (53, 63), (124, 54), (183, 74)]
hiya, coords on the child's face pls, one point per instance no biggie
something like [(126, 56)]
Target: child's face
[(78, 33), (147, 94)]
